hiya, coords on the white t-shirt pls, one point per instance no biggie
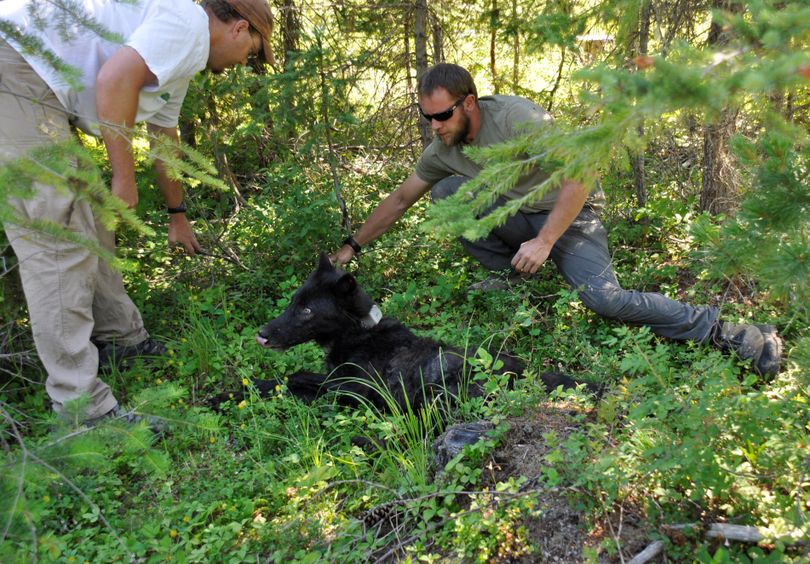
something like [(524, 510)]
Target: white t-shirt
[(170, 35)]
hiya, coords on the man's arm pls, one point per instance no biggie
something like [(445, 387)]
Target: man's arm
[(180, 230), (384, 215), (534, 252), (118, 86)]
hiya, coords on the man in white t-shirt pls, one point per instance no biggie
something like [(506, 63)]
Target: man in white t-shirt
[(135, 62)]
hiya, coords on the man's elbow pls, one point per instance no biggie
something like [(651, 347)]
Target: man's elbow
[(575, 189), (407, 195)]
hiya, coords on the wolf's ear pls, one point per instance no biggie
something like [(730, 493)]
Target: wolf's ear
[(346, 284), (325, 265)]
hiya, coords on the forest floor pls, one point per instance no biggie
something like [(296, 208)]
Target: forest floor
[(561, 532)]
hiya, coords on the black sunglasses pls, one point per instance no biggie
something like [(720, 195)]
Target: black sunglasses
[(446, 114)]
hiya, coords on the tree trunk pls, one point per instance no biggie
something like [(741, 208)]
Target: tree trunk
[(438, 40), (515, 50), (413, 112), (290, 29), (553, 91), (420, 49), (789, 106), (221, 153), (640, 175), (718, 192), (493, 28), (332, 157), (187, 129), (639, 172)]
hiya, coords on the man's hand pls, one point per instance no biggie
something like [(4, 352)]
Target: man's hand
[(124, 187), (180, 232), (531, 255), (343, 255)]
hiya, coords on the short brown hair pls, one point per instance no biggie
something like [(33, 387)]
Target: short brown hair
[(455, 79)]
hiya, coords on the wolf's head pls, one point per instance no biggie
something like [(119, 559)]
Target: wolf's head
[(328, 304)]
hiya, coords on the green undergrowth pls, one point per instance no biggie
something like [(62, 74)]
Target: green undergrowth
[(683, 433)]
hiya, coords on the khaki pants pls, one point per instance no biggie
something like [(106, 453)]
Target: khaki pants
[(72, 295)]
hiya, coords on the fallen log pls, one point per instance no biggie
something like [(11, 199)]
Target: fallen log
[(736, 533)]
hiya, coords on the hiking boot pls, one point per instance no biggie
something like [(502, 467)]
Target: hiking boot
[(496, 283), (156, 425), (760, 343), (122, 357)]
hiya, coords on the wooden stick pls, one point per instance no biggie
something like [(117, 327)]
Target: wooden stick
[(653, 550), (739, 533)]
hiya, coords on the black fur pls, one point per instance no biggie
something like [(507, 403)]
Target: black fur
[(330, 309)]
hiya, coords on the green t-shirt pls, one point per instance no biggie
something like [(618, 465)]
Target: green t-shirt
[(502, 118)]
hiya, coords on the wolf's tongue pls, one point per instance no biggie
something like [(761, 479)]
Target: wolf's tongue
[(261, 340)]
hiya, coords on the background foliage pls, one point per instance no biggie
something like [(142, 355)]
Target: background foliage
[(694, 116)]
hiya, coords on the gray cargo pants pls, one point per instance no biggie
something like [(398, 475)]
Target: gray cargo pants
[(72, 295), (582, 257)]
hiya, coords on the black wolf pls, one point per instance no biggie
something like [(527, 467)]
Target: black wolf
[(366, 351)]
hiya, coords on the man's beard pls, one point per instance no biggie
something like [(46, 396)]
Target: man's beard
[(460, 137)]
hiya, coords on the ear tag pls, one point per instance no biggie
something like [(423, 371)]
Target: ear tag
[(373, 317)]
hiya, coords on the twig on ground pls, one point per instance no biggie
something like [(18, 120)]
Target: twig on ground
[(653, 550), (234, 261), (616, 535)]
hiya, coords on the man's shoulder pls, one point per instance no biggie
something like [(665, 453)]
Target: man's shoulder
[(173, 38), (504, 117), (184, 8), (513, 110), (503, 103)]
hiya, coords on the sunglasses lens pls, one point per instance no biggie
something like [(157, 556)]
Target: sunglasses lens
[(445, 115), (441, 116)]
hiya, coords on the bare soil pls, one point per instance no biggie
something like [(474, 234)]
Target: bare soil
[(561, 533)]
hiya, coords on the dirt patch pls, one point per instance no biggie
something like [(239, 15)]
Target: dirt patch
[(561, 532)]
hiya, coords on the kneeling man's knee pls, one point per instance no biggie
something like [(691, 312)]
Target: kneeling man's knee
[(446, 187), (607, 302)]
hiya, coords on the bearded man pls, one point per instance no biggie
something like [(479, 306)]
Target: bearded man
[(563, 225)]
